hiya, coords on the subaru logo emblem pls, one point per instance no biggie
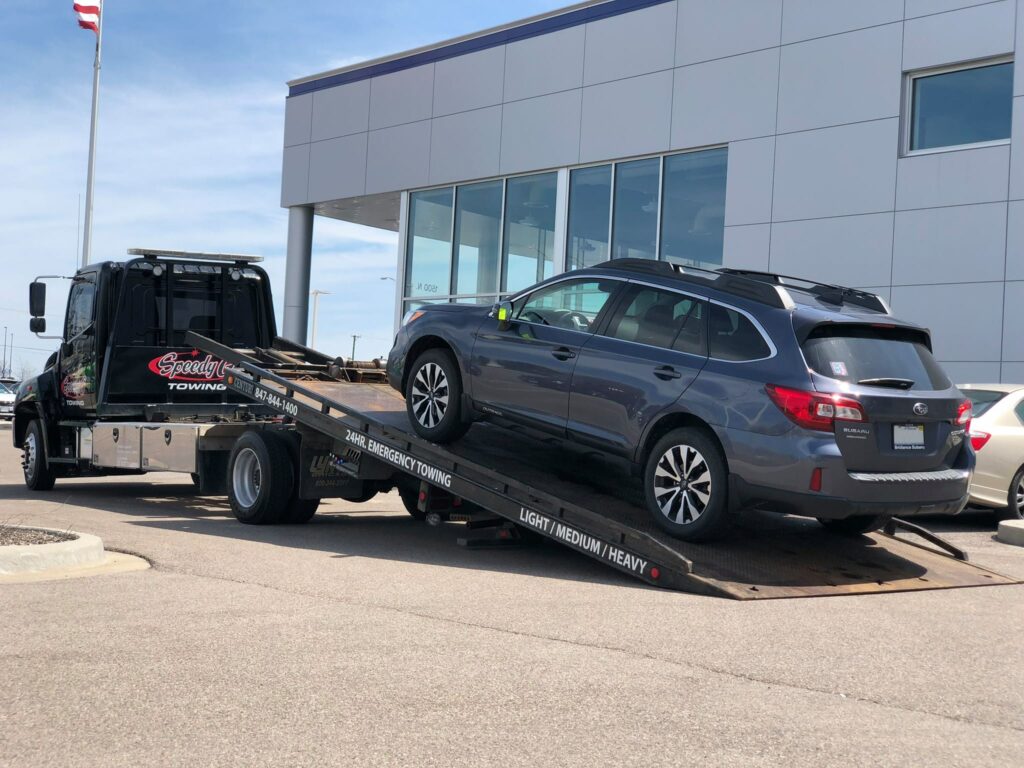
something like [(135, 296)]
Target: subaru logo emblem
[(920, 409)]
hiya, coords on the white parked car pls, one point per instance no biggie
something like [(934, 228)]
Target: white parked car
[(997, 434), (6, 402)]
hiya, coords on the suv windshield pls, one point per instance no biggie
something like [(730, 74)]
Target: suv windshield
[(886, 357), (983, 399)]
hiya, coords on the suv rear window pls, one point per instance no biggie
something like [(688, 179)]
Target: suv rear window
[(864, 355)]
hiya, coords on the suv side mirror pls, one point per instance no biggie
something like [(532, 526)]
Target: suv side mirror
[(503, 312), (37, 325), (37, 299)]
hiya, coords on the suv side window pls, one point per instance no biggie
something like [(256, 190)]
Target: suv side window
[(662, 319), (572, 304), (83, 292), (732, 336)]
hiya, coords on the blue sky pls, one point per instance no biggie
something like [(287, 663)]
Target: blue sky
[(191, 126)]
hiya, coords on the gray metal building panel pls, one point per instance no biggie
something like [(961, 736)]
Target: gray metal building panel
[(937, 307), (1013, 342), (970, 33), (398, 157), (1017, 148), (713, 29), (851, 250), (748, 191), (747, 246), (836, 171), (465, 146), (953, 178), (547, 64), (337, 168), (402, 97), (297, 119), (341, 111), (469, 82), (609, 126), (1015, 241), (631, 44), (543, 132), (807, 19), (295, 175), (916, 8), (860, 69), (702, 113), (949, 245)]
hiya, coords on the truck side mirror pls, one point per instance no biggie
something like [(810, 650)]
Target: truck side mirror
[(37, 325), (503, 312), (37, 299)]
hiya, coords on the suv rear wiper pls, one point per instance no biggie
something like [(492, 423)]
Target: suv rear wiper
[(884, 381)]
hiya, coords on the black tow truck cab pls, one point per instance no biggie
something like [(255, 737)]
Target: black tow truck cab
[(127, 393)]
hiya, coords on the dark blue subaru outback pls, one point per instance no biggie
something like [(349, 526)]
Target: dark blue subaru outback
[(726, 389)]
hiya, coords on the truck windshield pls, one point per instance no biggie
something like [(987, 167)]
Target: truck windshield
[(887, 357), (223, 303), (4, 390)]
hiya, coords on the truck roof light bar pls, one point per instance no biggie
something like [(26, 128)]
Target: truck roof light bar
[(153, 253)]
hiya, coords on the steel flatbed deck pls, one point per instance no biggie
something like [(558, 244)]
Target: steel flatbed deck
[(586, 501)]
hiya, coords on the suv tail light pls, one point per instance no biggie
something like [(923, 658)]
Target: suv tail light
[(963, 416), (815, 410), (979, 440)]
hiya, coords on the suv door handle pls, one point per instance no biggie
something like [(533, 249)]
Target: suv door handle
[(667, 372), (563, 353)]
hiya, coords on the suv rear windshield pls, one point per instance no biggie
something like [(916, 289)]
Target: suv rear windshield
[(892, 357), (983, 399)]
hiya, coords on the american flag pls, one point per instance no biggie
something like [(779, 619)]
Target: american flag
[(88, 12)]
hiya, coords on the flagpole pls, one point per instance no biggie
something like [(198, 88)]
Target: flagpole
[(87, 237)]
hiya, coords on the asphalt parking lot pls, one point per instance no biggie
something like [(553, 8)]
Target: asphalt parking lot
[(370, 639)]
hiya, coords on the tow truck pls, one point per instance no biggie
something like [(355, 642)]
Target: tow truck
[(170, 361)]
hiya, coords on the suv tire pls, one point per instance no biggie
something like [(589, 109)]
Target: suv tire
[(38, 475), (433, 397), (686, 486), (856, 524), (260, 478)]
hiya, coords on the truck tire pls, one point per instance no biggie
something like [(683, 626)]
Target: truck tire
[(260, 478), (686, 486), (433, 397), (856, 524), (38, 476), (300, 510), (411, 501)]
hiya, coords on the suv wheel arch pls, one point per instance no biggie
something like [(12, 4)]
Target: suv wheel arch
[(666, 424)]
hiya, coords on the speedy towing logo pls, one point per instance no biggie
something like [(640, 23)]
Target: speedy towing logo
[(188, 372)]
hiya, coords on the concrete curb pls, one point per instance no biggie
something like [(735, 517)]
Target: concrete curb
[(84, 550), (1011, 532)]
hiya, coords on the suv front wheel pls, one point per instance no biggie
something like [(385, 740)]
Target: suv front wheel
[(686, 486)]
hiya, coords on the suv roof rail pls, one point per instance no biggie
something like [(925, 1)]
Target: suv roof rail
[(154, 253), (827, 292), (726, 281)]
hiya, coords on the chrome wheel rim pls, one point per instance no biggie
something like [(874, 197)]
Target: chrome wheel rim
[(430, 395), (30, 455), (682, 484), (247, 477)]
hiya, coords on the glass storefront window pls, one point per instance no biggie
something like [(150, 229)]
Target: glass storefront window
[(529, 250), (477, 238), (693, 207), (590, 201), (430, 243), (635, 224)]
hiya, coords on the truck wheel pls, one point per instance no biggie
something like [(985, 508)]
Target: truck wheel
[(856, 524), (38, 476), (411, 500), (433, 397), (300, 510), (260, 478), (686, 486)]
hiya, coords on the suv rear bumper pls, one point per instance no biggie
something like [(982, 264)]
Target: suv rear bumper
[(836, 507)]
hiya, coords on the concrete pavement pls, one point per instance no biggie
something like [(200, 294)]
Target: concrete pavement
[(370, 639)]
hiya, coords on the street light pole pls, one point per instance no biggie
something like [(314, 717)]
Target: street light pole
[(354, 337), (316, 294)]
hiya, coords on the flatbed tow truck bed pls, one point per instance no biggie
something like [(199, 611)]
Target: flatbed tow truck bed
[(588, 502)]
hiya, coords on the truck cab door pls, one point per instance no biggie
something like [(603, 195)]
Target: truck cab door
[(77, 378)]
